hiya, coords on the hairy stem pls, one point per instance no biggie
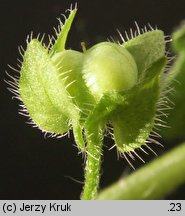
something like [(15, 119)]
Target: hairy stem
[(153, 181), (92, 169)]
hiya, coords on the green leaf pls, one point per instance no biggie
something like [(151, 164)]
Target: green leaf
[(178, 39), (176, 119), (153, 181), (62, 35)]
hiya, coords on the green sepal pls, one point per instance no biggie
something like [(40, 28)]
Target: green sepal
[(134, 119), (62, 36), (102, 111), (38, 87), (44, 94), (146, 49)]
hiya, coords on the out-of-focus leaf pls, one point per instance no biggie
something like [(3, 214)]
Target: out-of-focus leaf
[(176, 119)]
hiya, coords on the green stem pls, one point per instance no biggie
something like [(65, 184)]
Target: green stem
[(153, 181), (92, 169)]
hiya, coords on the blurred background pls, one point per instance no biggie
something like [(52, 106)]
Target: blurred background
[(32, 167)]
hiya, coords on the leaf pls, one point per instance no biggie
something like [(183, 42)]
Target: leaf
[(152, 181), (176, 119), (62, 35), (178, 39)]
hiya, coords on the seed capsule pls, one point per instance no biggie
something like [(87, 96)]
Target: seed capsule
[(69, 63), (108, 66)]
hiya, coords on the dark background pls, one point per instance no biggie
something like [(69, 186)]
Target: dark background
[(32, 167)]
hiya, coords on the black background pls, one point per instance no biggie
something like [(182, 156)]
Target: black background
[(32, 167)]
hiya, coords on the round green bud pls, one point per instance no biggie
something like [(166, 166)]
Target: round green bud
[(109, 66)]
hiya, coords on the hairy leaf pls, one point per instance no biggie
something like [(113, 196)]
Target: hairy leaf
[(176, 119)]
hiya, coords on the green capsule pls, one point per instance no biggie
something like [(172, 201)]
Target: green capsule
[(108, 66), (70, 64)]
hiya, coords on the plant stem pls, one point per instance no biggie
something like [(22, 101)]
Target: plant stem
[(92, 169), (153, 181)]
